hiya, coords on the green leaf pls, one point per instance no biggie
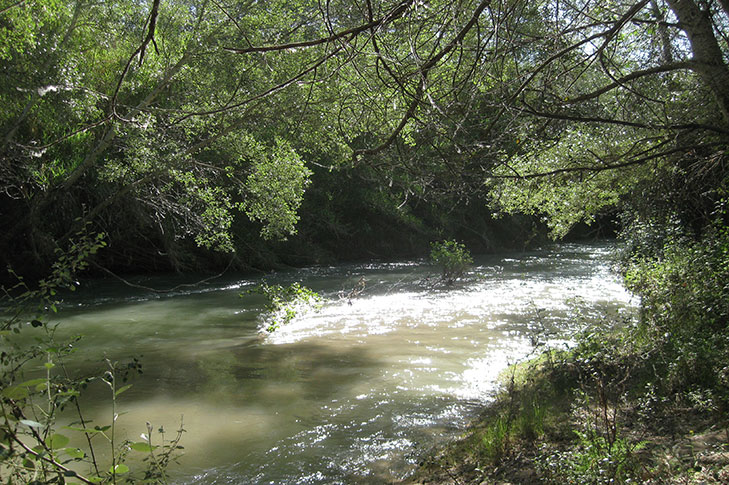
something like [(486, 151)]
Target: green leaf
[(71, 392), (31, 423), (34, 382), (119, 469), (16, 392), (143, 447), (49, 365), (122, 389), (57, 441), (75, 453), (95, 429)]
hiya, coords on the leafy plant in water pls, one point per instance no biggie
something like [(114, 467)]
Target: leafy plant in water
[(452, 257), (285, 302)]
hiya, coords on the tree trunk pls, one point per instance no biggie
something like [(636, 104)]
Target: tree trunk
[(707, 55), (663, 33)]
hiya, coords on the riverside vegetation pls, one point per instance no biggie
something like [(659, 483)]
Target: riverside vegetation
[(197, 134), (34, 446), (645, 403)]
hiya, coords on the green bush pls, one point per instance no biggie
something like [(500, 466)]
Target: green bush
[(284, 302), (452, 257), (685, 310), (34, 447)]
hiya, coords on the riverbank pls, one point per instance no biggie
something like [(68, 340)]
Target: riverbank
[(646, 403), (594, 414)]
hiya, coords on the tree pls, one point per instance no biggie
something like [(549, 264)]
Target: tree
[(559, 109), (188, 113), (615, 114), (118, 115)]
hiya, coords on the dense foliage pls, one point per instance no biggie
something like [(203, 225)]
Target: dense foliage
[(173, 125), (195, 132), (452, 258), (283, 303)]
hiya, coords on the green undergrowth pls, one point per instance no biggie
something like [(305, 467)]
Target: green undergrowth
[(591, 415), (646, 403)]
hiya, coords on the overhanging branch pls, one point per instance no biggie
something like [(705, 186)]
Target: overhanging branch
[(601, 168), (351, 33), (675, 66)]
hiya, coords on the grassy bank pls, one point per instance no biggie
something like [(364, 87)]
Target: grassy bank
[(594, 414)]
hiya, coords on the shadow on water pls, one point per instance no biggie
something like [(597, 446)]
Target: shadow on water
[(239, 401), (272, 375), (352, 394)]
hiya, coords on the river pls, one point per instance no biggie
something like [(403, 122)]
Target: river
[(355, 392)]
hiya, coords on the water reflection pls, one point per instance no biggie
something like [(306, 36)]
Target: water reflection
[(353, 392)]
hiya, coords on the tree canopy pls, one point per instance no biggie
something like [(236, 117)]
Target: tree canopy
[(162, 123)]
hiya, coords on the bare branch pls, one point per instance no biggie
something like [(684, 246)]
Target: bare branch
[(150, 33), (269, 91), (424, 70), (44, 457), (612, 121), (608, 34), (16, 4)]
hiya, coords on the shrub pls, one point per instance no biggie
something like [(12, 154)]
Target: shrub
[(284, 302), (34, 448), (685, 310), (452, 257)]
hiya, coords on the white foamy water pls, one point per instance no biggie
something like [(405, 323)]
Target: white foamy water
[(354, 392)]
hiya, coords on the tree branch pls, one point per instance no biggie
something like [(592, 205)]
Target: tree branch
[(424, 70), (600, 168), (609, 34), (630, 77), (43, 456), (16, 4), (611, 121), (353, 32), (266, 93), (150, 32)]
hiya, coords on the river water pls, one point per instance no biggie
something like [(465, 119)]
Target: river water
[(355, 392)]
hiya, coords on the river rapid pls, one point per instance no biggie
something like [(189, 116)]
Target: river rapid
[(355, 392)]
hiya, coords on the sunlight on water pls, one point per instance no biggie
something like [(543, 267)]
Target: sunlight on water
[(357, 391)]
